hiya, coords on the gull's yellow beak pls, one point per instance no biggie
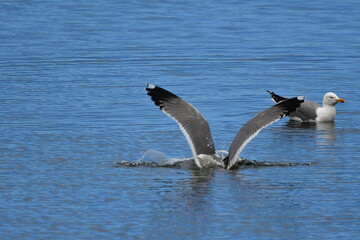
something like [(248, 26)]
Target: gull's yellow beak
[(340, 100)]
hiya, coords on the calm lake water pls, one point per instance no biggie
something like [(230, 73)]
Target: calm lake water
[(73, 105)]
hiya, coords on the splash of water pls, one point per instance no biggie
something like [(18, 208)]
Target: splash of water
[(152, 158)]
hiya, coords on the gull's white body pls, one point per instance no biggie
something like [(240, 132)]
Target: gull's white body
[(325, 114)]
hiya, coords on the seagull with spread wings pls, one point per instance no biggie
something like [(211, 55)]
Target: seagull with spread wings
[(197, 131)]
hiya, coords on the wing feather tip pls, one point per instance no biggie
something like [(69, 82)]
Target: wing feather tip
[(153, 92), (150, 86)]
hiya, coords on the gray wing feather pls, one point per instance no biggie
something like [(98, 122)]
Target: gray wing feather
[(193, 125), (256, 124)]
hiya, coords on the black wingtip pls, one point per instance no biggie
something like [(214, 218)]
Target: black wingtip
[(291, 104), (276, 97), (159, 95)]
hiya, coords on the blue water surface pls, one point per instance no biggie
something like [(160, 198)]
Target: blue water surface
[(73, 105)]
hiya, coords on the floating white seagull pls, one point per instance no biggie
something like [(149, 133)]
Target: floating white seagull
[(197, 131), (311, 111)]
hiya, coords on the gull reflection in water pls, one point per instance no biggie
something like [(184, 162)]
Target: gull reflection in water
[(325, 132)]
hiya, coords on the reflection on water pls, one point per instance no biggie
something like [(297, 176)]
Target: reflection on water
[(326, 133), (199, 187), (323, 132)]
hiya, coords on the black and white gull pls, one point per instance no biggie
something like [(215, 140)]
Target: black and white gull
[(197, 131), (311, 111)]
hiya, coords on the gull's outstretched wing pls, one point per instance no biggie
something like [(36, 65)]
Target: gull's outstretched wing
[(193, 125), (255, 125)]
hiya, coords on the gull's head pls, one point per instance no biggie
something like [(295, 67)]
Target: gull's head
[(331, 99)]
